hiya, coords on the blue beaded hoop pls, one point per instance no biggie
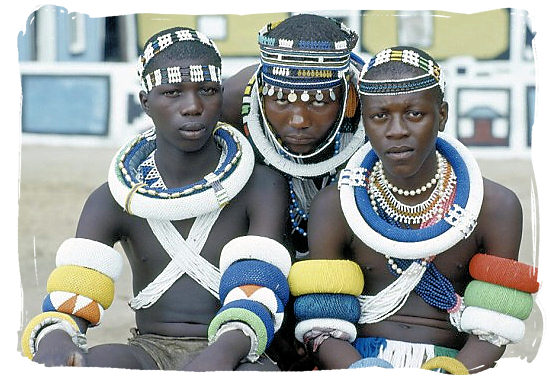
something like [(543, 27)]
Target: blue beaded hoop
[(339, 306), (254, 272)]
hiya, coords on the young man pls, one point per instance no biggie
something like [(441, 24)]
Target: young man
[(300, 108), (419, 249), (175, 196)]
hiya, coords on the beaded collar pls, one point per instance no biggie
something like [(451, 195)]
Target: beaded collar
[(433, 76), (143, 198), (275, 154), (391, 240)]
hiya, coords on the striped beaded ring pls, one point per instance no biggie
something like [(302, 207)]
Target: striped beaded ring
[(325, 276), (505, 272), (252, 247), (74, 304), (339, 306), (79, 280), (254, 272), (498, 298), (449, 364), (90, 254)]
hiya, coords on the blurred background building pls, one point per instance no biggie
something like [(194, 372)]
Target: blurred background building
[(80, 85)]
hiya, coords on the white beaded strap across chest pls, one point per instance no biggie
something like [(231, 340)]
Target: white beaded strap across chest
[(186, 259)]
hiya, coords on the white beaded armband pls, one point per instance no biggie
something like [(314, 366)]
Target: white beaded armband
[(322, 324), (491, 326)]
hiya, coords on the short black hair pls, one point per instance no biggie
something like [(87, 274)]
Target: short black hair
[(311, 27), (400, 69), (187, 49)]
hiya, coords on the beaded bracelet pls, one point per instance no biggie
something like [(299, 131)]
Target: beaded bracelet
[(250, 312), (252, 247), (254, 272), (494, 327), (498, 298), (505, 272), (79, 280), (348, 329), (90, 254), (325, 276), (252, 355), (339, 306), (449, 364), (261, 295), (74, 304), (44, 323)]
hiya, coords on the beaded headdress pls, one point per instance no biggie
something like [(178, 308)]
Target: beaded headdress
[(303, 66), (433, 76), (193, 73)]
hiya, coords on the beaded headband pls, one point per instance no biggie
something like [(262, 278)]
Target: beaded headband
[(432, 78), (169, 75), (303, 65)]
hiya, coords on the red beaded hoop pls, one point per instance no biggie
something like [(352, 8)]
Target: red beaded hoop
[(505, 272)]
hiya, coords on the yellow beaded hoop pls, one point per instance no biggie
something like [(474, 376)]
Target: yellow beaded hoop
[(449, 364), (87, 282), (325, 276)]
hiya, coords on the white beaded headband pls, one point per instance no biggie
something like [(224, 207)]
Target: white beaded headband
[(165, 40), (177, 74)]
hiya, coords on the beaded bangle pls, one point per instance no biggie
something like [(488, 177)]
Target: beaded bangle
[(252, 356), (325, 276), (252, 313), (41, 322), (504, 272), (370, 362), (449, 364), (252, 247), (494, 327), (254, 272), (338, 306), (73, 304), (261, 295), (305, 326), (498, 298), (79, 280), (90, 254)]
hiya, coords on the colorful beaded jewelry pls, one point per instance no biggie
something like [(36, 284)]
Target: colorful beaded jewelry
[(432, 78), (74, 304), (415, 243), (176, 74), (505, 272), (347, 330), (449, 364), (155, 201), (326, 305), (166, 40), (492, 326)]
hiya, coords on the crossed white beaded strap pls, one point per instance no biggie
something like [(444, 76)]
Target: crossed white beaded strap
[(186, 259)]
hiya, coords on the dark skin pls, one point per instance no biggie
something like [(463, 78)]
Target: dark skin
[(185, 115), (412, 120)]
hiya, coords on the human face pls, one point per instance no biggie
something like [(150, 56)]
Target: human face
[(302, 126), (185, 113), (402, 130)]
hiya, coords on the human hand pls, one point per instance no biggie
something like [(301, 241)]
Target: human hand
[(57, 349)]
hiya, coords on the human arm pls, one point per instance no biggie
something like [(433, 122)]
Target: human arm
[(498, 233), (328, 236), (86, 269), (233, 91)]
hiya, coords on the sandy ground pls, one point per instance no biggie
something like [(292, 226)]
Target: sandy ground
[(55, 182)]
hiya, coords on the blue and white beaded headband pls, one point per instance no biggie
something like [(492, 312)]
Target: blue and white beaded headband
[(432, 78), (177, 74), (303, 65), (165, 40)]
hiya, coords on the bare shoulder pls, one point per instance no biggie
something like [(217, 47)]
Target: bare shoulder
[(265, 178), (499, 200), (233, 91), (327, 203)]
